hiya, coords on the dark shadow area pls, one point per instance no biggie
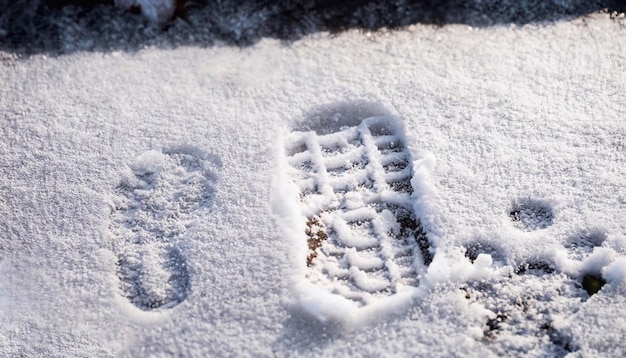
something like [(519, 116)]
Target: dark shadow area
[(592, 283), (65, 26)]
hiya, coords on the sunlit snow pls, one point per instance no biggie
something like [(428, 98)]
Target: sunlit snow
[(158, 202)]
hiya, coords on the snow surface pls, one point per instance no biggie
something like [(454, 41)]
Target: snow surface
[(519, 142)]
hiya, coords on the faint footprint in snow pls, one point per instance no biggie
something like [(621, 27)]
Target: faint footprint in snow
[(352, 175), (522, 303), (154, 208)]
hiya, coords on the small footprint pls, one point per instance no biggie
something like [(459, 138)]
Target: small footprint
[(154, 208), (522, 303)]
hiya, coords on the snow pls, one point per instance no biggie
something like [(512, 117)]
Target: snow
[(150, 202), (616, 272)]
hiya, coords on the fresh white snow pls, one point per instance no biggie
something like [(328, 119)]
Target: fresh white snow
[(172, 164)]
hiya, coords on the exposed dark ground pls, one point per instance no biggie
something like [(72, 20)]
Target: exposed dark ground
[(64, 26)]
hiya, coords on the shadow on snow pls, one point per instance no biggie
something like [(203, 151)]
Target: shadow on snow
[(58, 27)]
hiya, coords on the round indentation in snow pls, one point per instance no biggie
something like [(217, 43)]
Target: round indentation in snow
[(476, 248), (531, 215), (582, 244)]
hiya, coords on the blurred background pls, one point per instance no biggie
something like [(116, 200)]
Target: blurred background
[(62, 26)]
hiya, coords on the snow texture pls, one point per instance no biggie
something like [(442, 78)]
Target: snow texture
[(159, 202)]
